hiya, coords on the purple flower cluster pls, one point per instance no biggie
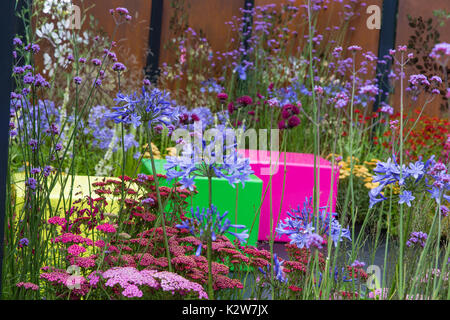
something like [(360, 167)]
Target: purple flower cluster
[(441, 52), (45, 115), (129, 279), (152, 108), (97, 126), (277, 270), (419, 238)]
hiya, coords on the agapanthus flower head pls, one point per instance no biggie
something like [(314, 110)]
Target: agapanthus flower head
[(415, 174), (304, 228), (210, 222), (406, 197), (278, 272), (444, 211), (218, 158), (150, 107)]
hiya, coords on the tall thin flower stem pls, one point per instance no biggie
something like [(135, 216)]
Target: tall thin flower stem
[(209, 245), (158, 195), (401, 231), (315, 109)]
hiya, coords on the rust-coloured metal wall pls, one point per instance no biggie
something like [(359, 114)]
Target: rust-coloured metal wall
[(424, 9), (133, 37), (210, 17)]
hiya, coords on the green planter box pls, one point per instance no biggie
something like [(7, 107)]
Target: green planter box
[(224, 198)]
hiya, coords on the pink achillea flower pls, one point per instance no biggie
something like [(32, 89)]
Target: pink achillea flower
[(62, 277), (57, 221), (83, 262), (106, 228), (28, 286), (130, 279), (72, 238), (75, 250), (132, 291), (100, 243), (223, 282), (173, 282)]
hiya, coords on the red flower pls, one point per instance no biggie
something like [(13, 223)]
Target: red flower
[(244, 101), (222, 96)]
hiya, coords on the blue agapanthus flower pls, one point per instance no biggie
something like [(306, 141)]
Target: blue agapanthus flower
[(44, 114), (430, 175), (336, 276), (211, 222), (242, 72), (305, 229), (406, 197), (277, 269), (150, 107), (214, 159)]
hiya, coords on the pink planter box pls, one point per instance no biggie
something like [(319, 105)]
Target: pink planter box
[(299, 184)]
